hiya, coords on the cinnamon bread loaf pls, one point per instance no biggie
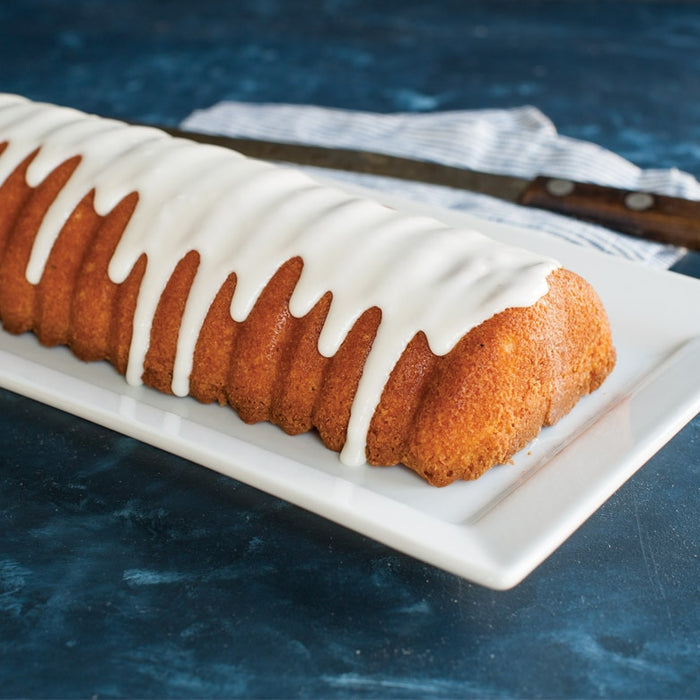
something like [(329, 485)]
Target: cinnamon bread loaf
[(200, 272)]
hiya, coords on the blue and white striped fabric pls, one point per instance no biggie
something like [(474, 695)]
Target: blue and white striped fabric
[(520, 141)]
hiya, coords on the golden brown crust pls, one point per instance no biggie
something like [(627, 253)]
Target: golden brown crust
[(448, 417), (340, 379), (13, 197), (301, 370), (18, 297), (258, 346), (520, 370), (160, 358), (54, 293), (93, 330), (214, 348), (392, 424)]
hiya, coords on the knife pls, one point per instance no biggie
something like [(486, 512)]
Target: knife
[(642, 214)]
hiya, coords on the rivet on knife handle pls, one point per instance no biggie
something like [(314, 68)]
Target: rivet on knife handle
[(651, 216)]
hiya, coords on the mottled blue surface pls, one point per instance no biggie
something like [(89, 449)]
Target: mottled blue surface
[(624, 74), (127, 572)]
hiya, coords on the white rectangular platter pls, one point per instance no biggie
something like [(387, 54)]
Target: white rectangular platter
[(493, 531)]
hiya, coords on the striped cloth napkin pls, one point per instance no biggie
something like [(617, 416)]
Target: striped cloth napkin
[(521, 141)]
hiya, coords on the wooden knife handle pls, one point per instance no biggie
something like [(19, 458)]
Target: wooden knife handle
[(651, 216)]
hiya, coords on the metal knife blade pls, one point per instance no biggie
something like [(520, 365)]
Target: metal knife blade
[(642, 214)]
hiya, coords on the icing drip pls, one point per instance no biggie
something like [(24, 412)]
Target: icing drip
[(249, 217)]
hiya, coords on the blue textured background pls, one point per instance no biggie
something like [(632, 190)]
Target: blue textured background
[(126, 572)]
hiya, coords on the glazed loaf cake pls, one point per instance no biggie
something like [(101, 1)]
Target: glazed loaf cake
[(200, 272)]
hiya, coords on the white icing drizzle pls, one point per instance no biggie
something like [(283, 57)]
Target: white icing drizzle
[(245, 216)]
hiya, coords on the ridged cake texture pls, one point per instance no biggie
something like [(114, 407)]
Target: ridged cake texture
[(201, 272)]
